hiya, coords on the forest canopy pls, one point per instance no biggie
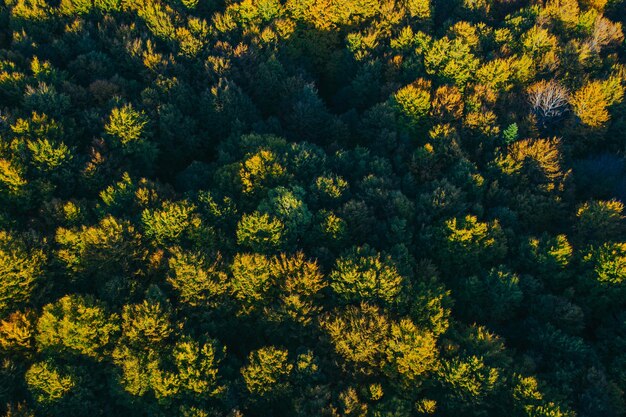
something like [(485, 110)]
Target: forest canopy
[(311, 208)]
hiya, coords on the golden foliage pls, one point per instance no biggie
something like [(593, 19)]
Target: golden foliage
[(11, 177), (543, 154), (420, 9), (590, 104), (17, 332), (599, 5), (448, 103)]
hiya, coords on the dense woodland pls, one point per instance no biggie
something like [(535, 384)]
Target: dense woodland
[(268, 208)]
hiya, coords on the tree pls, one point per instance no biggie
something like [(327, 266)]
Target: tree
[(451, 60), (420, 9), (467, 244), (599, 221), (175, 223), (13, 183), (590, 105), (601, 282), (260, 232), (139, 372), (288, 207), (364, 276), (267, 372), (21, 269), (196, 281), (252, 281), (282, 287), (49, 157), (301, 284), (17, 332), (60, 389), (535, 160), (413, 102), (76, 324), (411, 352), (609, 263), (605, 32), (447, 103), (78, 7), (259, 171), (469, 383), (497, 74), (45, 99), (196, 367), (146, 325), (530, 400), (542, 46), (491, 298), (358, 335), (126, 130), (141, 353), (105, 253), (331, 187), (549, 101), (549, 258), (49, 383)]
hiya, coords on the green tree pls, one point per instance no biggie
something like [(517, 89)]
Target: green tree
[(288, 207), (147, 324), (599, 221), (126, 130), (60, 389), (142, 350), (413, 102), (260, 170), (14, 185), (602, 283), (175, 223), (420, 9), (451, 60), (267, 373), (609, 262), (49, 383), (468, 243), (470, 383), (196, 281), (101, 255), (492, 297), (365, 276), (21, 269), (252, 281), (260, 232), (196, 369), (76, 324), (549, 258)]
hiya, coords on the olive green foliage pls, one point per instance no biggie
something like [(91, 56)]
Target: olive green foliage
[(21, 269), (77, 324), (267, 372), (312, 208), (362, 276)]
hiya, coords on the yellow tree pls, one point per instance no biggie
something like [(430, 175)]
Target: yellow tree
[(590, 104)]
